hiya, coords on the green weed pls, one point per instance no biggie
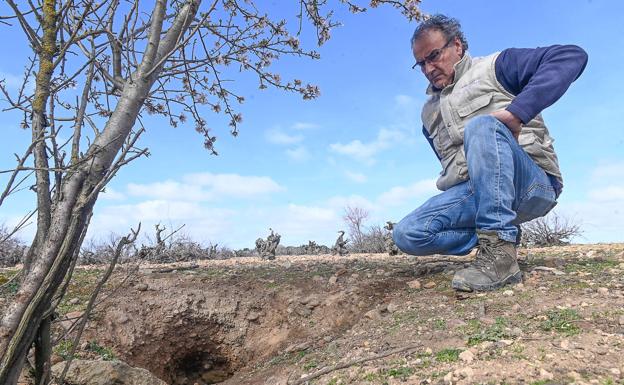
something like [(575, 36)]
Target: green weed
[(562, 321), (105, 353), (448, 355)]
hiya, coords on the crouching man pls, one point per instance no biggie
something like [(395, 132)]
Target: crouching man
[(499, 167)]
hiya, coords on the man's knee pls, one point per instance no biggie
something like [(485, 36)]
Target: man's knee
[(411, 238)]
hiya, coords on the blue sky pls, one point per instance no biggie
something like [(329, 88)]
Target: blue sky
[(296, 164)]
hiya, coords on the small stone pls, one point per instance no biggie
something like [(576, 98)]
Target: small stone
[(429, 285), (465, 372), (313, 303), (615, 371), (466, 356), (508, 293), (621, 320), (392, 307), (448, 379), (428, 351), (332, 280), (141, 287), (564, 344), (415, 284), (318, 279), (545, 374), (74, 301), (373, 314), (303, 311), (253, 316), (603, 291), (516, 308)]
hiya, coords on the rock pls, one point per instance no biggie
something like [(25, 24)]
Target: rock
[(546, 375), (466, 356), (516, 308), (253, 316), (318, 279), (621, 320), (508, 293), (311, 301), (298, 347), (141, 287), (603, 291), (456, 323), (415, 284), (70, 318), (429, 285), (373, 314), (466, 372), (303, 311), (74, 301), (84, 372), (428, 351), (564, 344), (392, 307), (332, 280), (448, 379), (616, 372)]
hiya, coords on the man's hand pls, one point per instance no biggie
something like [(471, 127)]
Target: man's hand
[(510, 120)]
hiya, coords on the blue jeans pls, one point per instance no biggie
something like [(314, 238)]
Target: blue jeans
[(506, 188)]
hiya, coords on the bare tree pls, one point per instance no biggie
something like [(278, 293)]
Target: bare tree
[(354, 217), (98, 68), (551, 230)]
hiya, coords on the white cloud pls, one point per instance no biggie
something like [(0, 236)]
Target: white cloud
[(356, 177), (607, 194), (234, 185), (365, 152), (205, 187), (200, 222), (168, 190), (608, 172), (301, 126), (399, 195), (277, 136), (299, 153)]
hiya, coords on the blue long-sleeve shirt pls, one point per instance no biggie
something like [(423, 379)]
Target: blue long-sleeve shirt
[(538, 77)]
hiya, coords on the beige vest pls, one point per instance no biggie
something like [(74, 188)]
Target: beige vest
[(476, 91)]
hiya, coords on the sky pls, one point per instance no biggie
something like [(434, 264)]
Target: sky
[(297, 164)]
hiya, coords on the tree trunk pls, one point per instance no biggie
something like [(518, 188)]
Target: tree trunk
[(79, 192)]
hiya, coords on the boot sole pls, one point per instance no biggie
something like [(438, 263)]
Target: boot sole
[(510, 280)]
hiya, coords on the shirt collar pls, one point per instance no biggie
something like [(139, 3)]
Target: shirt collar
[(461, 67)]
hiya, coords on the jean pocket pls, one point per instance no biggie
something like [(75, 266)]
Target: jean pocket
[(537, 202)]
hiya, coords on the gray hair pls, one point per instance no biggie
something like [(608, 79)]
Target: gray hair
[(449, 26)]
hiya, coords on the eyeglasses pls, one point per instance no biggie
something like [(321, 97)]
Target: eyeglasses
[(434, 56)]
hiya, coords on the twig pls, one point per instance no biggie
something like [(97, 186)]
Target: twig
[(330, 369), (122, 243)]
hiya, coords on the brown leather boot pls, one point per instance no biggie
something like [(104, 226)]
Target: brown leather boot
[(495, 265)]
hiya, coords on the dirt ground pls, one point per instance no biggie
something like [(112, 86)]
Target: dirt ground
[(360, 319)]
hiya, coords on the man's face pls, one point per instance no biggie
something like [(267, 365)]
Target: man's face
[(436, 56)]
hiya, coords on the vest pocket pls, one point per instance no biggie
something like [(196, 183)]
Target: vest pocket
[(470, 107)]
